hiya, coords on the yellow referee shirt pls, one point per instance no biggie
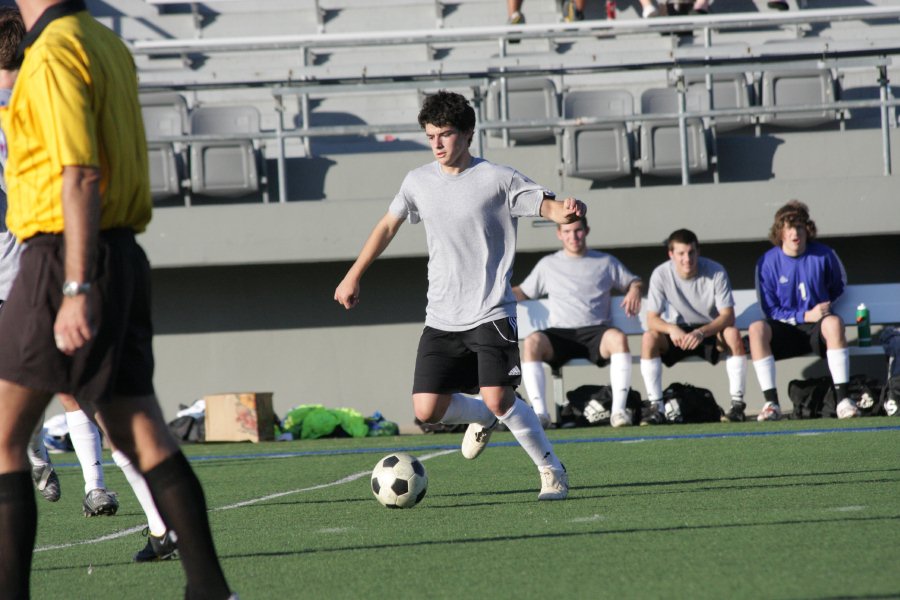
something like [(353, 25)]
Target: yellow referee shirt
[(75, 103)]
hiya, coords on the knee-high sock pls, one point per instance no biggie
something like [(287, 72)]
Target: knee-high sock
[(37, 451), (736, 367), (523, 423), (18, 522), (86, 441), (765, 372), (467, 409), (535, 385), (181, 503), (839, 365), (619, 379), (145, 498), (651, 371)]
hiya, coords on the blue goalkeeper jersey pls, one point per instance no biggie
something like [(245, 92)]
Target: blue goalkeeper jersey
[(789, 286)]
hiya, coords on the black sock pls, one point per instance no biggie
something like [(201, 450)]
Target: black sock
[(840, 391), (18, 524), (771, 395), (181, 504)]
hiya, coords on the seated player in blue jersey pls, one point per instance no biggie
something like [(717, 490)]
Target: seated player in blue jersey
[(579, 283), (798, 281)]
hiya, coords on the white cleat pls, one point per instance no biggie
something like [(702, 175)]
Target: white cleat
[(554, 484), (770, 412), (847, 409), (476, 439), (621, 418)]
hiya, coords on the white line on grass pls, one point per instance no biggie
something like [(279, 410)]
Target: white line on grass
[(341, 481)]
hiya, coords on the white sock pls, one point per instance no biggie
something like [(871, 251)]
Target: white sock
[(154, 522), (651, 371), (765, 372), (839, 365), (620, 379), (37, 451), (736, 367), (86, 441), (535, 385), (467, 409), (524, 425)]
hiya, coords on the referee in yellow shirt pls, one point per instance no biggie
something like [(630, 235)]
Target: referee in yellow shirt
[(77, 319)]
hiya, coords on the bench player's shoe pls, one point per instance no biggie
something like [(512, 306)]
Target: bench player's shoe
[(158, 547), (736, 414), (46, 481), (100, 502), (476, 439), (546, 422), (554, 483), (770, 412), (651, 415), (621, 418), (847, 409)]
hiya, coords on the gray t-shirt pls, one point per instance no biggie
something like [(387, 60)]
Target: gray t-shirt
[(579, 287), (470, 223), (9, 246), (689, 301)]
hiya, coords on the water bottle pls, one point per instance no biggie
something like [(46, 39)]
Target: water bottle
[(610, 9), (863, 329)]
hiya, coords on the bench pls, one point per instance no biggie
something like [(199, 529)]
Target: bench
[(882, 299)]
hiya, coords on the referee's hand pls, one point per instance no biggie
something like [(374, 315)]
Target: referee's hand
[(72, 329)]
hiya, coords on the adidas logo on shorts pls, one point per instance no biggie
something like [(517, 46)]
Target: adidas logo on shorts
[(514, 372)]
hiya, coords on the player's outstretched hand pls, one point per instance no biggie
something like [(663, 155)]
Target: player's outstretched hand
[(347, 294)]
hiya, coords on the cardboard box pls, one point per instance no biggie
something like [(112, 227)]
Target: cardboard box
[(239, 417)]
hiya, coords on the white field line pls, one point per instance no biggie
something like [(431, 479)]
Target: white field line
[(131, 530)]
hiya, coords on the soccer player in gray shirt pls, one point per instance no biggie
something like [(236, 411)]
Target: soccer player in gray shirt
[(470, 208), (690, 311), (579, 282)]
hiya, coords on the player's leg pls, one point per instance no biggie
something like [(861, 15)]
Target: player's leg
[(653, 346), (20, 409), (86, 440), (760, 334), (523, 423), (736, 368), (42, 472), (536, 350), (838, 357), (614, 347), (514, 12), (137, 428)]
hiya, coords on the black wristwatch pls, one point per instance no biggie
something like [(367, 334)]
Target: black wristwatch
[(70, 289)]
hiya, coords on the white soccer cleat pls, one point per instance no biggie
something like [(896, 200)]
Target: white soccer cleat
[(621, 418), (770, 412), (847, 409), (544, 418), (554, 484), (476, 439)]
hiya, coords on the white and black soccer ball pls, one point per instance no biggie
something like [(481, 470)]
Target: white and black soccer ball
[(399, 481)]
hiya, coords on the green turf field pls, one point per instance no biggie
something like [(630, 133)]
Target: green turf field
[(689, 511)]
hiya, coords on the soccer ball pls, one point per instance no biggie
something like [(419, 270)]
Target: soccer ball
[(399, 481)]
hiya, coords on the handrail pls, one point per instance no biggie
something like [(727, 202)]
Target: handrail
[(726, 22)]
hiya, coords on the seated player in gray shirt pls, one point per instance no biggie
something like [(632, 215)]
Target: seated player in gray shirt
[(579, 283), (690, 312), (470, 208)]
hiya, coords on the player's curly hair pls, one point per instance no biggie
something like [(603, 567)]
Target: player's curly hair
[(12, 30), (447, 108), (794, 213)]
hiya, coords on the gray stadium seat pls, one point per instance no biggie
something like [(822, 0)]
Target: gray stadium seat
[(728, 91), (660, 142), (226, 167), (792, 88), (599, 151), (165, 114), (528, 98)]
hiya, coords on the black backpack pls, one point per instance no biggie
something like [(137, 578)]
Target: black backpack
[(590, 405), (815, 398), (695, 404)]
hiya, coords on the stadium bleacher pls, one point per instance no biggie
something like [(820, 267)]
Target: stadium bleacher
[(337, 84)]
